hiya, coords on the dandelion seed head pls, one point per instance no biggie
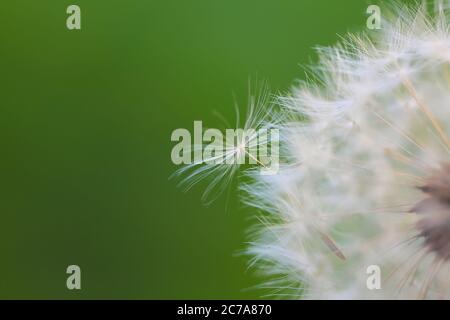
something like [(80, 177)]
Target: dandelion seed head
[(367, 176)]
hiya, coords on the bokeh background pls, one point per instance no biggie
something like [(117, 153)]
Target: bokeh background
[(86, 118)]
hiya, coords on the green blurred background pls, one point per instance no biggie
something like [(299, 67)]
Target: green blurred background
[(86, 118)]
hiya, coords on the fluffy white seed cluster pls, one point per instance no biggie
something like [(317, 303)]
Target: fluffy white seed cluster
[(366, 179)]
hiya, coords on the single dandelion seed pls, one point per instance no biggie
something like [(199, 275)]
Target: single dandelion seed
[(226, 152)]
